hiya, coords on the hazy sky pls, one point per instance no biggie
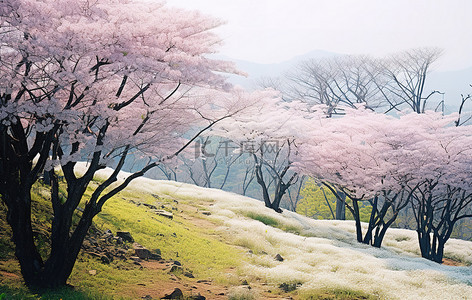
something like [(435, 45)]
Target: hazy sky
[(268, 31)]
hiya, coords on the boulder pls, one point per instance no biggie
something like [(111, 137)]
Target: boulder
[(175, 294), (105, 259), (163, 213), (175, 268), (150, 206), (141, 251), (278, 257), (125, 236)]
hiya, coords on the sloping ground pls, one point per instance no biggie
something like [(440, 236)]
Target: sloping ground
[(228, 242), (324, 255)]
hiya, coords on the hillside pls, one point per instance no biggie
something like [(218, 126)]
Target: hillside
[(229, 244)]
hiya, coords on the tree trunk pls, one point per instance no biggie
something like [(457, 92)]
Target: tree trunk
[(357, 218), (340, 206), (54, 272), (19, 218)]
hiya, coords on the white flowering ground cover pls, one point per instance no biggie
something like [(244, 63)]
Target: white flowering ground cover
[(324, 254)]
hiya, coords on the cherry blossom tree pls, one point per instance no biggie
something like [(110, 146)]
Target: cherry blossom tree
[(96, 82), (268, 134), (387, 161)]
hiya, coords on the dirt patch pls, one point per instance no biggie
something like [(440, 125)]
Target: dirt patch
[(451, 262), (189, 286)]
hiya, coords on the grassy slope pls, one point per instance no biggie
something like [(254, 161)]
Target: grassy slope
[(197, 248), (236, 243)]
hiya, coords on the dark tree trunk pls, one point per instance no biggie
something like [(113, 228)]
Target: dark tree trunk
[(54, 272), (340, 206), (357, 219), (19, 218)]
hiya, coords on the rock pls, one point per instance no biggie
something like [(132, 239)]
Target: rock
[(136, 259), (206, 213), (175, 294), (156, 196), (105, 259), (154, 256), (188, 274), (175, 268), (126, 236), (176, 262), (147, 297), (163, 213), (278, 257), (197, 297), (138, 264), (92, 272), (118, 240), (157, 251), (150, 206), (141, 251), (244, 282), (204, 281)]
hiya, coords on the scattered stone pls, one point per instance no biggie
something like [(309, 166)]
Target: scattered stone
[(118, 240), (150, 206), (289, 287), (138, 264), (206, 213), (155, 256), (244, 282), (176, 262), (197, 297), (136, 259), (278, 257), (92, 272), (105, 259), (188, 274), (175, 268), (175, 294), (176, 202), (204, 281), (147, 297), (163, 213), (156, 196), (126, 236), (141, 251), (220, 294), (174, 234)]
